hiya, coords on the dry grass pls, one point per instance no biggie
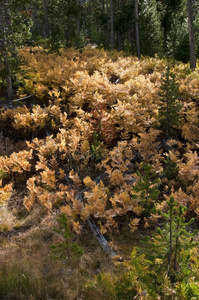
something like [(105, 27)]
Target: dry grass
[(28, 271), (7, 219)]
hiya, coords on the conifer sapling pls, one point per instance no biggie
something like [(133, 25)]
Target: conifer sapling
[(66, 248), (170, 107)]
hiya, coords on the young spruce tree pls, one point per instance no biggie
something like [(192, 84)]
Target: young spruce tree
[(170, 249), (148, 186), (164, 268), (170, 107), (67, 248)]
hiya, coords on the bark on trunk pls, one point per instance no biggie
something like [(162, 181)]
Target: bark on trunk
[(10, 92), (46, 24), (105, 27), (119, 41), (107, 24), (191, 35), (78, 20), (137, 30), (112, 24)]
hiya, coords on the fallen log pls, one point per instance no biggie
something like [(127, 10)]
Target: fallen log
[(91, 223), (100, 238), (26, 97)]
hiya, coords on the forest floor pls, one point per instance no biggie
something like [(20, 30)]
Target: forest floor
[(89, 141), (30, 271)]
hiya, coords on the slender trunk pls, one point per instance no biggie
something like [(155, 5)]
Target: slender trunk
[(10, 92), (191, 35), (105, 28), (107, 24), (68, 29), (2, 41), (132, 39), (119, 41), (3, 51), (35, 27), (166, 27), (112, 25), (137, 30), (46, 24), (176, 246), (78, 25), (36, 23), (170, 242), (119, 36), (165, 40), (78, 20)]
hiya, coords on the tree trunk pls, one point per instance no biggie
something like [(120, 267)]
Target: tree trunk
[(137, 30), (10, 92), (165, 40), (3, 51), (191, 35), (2, 42), (78, 25), (105, 27), (107, 23), (166, 26), (119, 35), (46, 24), (119, 41), (78, 20), (132, 38), (112, 25)]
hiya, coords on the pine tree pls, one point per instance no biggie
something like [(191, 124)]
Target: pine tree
[(67, 247), (15, 22), (170, 249), (148, 186), (161, 269), (191, 35), (170, 107)]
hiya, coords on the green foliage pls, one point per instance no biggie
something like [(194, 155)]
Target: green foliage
[(166, 266), (130, 283), (123, 284), (170, 169), (188, 290), (150, 29), (102, 286), (3, 174), (170, 249), (13, 35), (170, 106), (96, 147), (66, 248), (148, 186)]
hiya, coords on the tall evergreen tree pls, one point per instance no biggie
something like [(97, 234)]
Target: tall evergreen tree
[(112, 24), (137, 31), (15, 21), (191, 35), (168, 10), (150, 28)]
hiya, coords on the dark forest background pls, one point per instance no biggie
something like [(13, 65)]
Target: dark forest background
[(146, 27), (112, 24)]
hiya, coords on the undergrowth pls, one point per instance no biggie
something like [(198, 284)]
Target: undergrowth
[(139, 134)]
